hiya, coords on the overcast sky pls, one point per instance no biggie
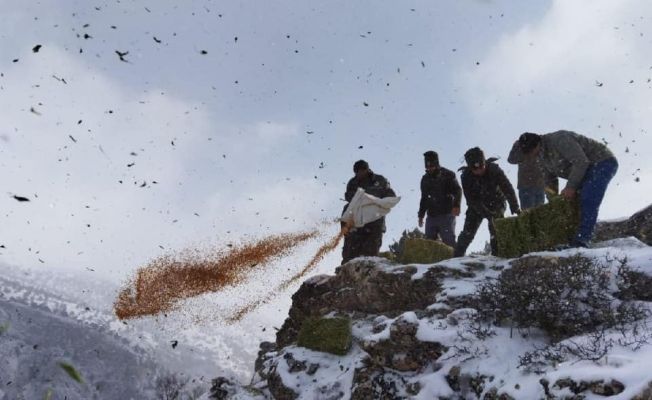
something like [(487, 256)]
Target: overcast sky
[(235, 119)]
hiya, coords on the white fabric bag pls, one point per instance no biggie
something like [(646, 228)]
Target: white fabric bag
[(365, 208)]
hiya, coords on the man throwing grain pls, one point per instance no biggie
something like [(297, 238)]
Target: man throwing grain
[(365, 240)]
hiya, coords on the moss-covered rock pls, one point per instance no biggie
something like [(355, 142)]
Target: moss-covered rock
[(329, 335), (537, 229), (424, 251)]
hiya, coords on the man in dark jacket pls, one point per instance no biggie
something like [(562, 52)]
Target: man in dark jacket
[(440, 198), (365, 241), (485, 188), (586, 164)]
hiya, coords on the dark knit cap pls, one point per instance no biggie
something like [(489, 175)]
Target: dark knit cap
[(431, 159), (474, 157), (528, 141), (360, 165)]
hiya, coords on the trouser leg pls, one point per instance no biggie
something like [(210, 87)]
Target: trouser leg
[(365, 241), (431, 228), (471, 224), (524, 198), (539, 197), (347, 250), (531, 197), (371, 242), (445, 227), (492, 231), (594, 185)]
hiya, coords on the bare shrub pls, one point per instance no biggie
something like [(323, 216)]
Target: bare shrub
[(571, 300), (562, 296), (174, 387), (591, 347)]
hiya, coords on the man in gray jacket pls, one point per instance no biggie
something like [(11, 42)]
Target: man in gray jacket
[(587, 165)]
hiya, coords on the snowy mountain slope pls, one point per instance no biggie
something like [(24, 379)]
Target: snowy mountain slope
[(191, 342), (36, 341)]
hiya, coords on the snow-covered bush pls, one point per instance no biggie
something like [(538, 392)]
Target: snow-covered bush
[(562, 296)]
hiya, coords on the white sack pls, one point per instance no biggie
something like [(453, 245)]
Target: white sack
[(365, 208)]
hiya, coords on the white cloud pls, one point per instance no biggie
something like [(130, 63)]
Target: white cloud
[(574, 44), (83, 216), (583, 66), (272, 131)]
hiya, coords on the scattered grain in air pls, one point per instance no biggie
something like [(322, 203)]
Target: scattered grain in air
[(323, 250), (158, 286)]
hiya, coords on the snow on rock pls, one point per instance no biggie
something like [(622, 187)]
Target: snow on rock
[(417, 335)]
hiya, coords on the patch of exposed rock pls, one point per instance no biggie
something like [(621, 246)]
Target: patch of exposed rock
[(368, 286), (638, 225)]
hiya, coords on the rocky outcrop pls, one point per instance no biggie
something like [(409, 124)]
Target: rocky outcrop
[(369, 286), (402, 351), (599, 387), (418, 330), (638, 225)]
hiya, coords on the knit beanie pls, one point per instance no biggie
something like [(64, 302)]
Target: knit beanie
[(474, 157), (360, 165)]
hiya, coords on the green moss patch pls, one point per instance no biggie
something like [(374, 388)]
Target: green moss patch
[(329, 335), (424, 251), (537, 229)]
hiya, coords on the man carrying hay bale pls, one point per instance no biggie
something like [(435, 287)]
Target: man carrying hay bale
[(485, 189), (586, 164)]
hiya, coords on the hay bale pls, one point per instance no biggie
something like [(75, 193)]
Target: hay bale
[(388, 255), (329, 335), (537, 229), (424, 251)]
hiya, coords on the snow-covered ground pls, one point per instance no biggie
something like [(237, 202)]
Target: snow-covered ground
[(52, 317), (493, 360), (48, 318)]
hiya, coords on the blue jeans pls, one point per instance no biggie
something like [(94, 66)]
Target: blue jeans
[(442, 226), (594, 185), (531, 197)]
